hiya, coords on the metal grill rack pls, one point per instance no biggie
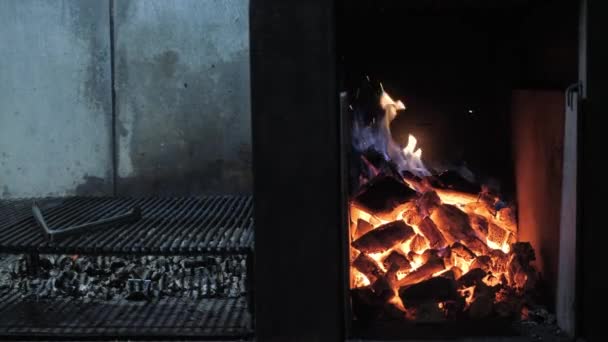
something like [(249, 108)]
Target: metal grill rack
[(212, 225), (218, 318), (176, 226)]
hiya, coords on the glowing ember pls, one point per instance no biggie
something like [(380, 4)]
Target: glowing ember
[(464, 238)]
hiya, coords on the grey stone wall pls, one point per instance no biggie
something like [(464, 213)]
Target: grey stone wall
[(55, 108), (182, 96), (181, 77)]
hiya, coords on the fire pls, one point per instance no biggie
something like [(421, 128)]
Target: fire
[(428, 232)]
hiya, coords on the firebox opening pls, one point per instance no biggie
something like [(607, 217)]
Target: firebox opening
[(456, 116)]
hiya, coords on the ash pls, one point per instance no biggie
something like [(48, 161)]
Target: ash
[(134, 278)]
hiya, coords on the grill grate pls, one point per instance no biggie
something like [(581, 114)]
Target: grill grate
[(217, 318), (176, 225)]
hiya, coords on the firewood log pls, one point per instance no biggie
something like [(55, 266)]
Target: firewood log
[(383, 194), (462, 251), (451, 179), (496, 234), (426, 271), (418, 244), (481, 208), (438, 289), (507, 219), (524, 252), (457, 272), (397, 262), (427, 203), (483, 262), (476, 246), (368, 267), (363, 227), (410, 213), (430, 231), (479, 225), (384, 237), (500, 261), (452, 222), (383, 290), (471, 278)]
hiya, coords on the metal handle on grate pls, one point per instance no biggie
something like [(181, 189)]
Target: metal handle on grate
[(134, 214)]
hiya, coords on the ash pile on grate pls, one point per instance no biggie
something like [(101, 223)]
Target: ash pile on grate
[(130, 277)]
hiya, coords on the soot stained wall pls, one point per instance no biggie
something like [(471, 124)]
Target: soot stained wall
[(182, 97), (181, 107)]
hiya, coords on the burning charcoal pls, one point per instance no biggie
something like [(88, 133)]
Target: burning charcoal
[(383, 194), (427, 203), (523, 251), (424, 257), (497, 235), (368, 267), (430, 231), (523, 277), (410, 213), (471, 278), (481, 208), (476, 246), (462, 251), (446, 255), (453, 180), (396, 261), (507, 219), (500, 261), (457, 272), (479, 225), (438, 289), (426, 271), (483, 262), (481, 307), (363, 227), (452, 222), (418, 244), (384, 237)]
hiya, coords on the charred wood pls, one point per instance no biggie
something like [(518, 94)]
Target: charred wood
[(432, 233), (384, 237), (368, 267), (424, 272), (452, 222), (397, 262), (383, 194), (471, 278), (438, 289), (363, 227), (427, 203)]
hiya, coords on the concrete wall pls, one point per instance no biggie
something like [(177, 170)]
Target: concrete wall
[(182, 97), (55, 108), (182, 100)]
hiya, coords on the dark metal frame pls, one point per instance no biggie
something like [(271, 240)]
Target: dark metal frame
[(297, 192)]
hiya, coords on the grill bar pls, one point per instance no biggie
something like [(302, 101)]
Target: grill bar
[(176, 225), (217, 318)]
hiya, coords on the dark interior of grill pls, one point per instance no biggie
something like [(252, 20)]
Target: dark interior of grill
[(322, 170)]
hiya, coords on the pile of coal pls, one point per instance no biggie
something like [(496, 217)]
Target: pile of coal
[(128, 277)]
